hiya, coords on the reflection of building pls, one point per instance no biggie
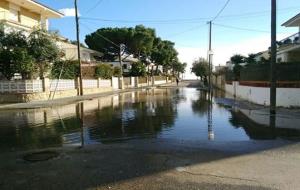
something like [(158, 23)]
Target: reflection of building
[(25, 15), (257, 125)]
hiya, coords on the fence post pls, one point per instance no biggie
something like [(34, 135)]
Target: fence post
[(98, 82), (153, 80), (121, 83), (77, 85), (132, 80), (46, 84), (136, 82)]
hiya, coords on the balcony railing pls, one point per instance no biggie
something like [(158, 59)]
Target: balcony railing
[(5, 17), (293, 39)]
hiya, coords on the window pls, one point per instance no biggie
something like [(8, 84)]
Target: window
[(15, 15)]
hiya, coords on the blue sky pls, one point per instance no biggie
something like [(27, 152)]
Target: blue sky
[(189, 31)]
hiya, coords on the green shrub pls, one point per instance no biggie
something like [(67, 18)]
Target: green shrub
[(138, 69), (117, 72), (104, 71), (69, 69)]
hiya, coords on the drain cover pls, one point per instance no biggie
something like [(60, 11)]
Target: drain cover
[(40, 156)]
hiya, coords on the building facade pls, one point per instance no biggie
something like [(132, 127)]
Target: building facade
[(25, 15)]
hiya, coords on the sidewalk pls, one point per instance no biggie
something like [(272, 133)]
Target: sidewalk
[(65, 101), (73, 99)]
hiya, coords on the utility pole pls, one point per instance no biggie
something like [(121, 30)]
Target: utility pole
[(78, 49), (210, 54), (273, 59)]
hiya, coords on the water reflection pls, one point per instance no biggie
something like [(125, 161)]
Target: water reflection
[(185, 113)]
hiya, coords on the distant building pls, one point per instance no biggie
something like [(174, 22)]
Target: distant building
[(69, 50), (264, 55), (127, 61)]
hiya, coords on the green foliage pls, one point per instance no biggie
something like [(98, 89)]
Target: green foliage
[(163, 53), (68, 69), (178, 67), (138, 69), (117, 72), (250, 60), (26, 55), (201, 68), (43, 49), (14, 55), (138, 40), (261, 72), (104, 71), (237, 59)]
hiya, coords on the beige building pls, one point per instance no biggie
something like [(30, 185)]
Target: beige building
[(28, 14), (289, 48), (25, 15), (70, 52)]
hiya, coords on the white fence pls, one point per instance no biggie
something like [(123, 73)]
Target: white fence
[(60, 85), (105, 83), (26, 86), (286, 97), (90, 83)]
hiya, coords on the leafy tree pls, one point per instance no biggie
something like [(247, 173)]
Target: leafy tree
[(14, 55), (138, 69), (117, 72), (201, 69), (104, 71), (163, 53), (178, 68), (142, 42), (237, 59), (68, 69), (138, 40), (251, 59), (43, 49)]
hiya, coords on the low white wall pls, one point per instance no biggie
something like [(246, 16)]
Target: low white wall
[(286, 97), (160, 82)]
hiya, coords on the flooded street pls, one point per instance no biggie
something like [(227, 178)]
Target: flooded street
[(180, 114), (163, 138)]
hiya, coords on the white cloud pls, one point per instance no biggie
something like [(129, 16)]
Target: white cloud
[(222, 53), (68, 12)]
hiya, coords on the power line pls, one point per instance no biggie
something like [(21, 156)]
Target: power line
[(238, 28), (175, 21), (94, 7), (185, 31), (220, 12), (191, 20), (105, 38)]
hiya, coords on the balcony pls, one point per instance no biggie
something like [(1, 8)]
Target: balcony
[(291, 40), (18, 22)]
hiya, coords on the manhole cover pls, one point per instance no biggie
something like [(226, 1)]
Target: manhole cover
[(40, 156)]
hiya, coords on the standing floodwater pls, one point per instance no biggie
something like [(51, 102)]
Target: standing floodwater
[(181, 114)]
